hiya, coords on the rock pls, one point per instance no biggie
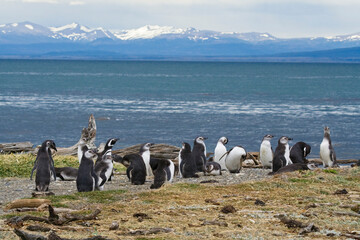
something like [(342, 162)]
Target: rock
[(228, 209)]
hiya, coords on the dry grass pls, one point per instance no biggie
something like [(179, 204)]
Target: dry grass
[(304, 196)]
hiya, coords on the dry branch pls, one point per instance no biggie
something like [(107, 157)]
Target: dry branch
[(27, 203), (17, 147)]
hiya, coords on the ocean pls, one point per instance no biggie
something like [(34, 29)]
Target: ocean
[(172, 102)]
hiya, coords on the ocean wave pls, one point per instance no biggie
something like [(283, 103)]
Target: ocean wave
[(69, 103)]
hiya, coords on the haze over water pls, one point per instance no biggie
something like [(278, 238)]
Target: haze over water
[(172, 102)]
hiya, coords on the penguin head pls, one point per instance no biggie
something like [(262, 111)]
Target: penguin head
[(311, 166), (83, 141), (49, 144), (327, 130), (146, 147), (111, 142), (209, 167), (91, 154), (200, 139), (186, 146), (284, 140), (268, 137), (223, 140)]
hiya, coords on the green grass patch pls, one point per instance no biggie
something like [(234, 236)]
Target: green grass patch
[(20, 165), (189, 186), (333, 171)]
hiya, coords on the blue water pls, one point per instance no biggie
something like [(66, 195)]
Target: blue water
[(172, 102)]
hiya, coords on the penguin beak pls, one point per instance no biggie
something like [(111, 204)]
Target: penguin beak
[(54, 147), (205, 138), (290, 139)]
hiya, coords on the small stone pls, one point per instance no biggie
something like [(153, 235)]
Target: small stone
[(341, 191), (259, 202), (228, 209), (114, 226)]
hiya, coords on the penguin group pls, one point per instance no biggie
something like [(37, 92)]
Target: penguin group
[(96, 167)]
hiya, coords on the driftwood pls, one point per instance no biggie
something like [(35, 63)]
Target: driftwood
[(27, 203), (53, 218), (52, 236), (17, 147), (88, 135), (160, 151), (351, 214)]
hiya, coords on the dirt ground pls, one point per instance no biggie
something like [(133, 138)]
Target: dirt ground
[(242, 206)]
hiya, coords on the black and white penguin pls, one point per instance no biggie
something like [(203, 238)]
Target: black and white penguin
[(220, 152), (187, 164), (199, 153), (282, 154), (170, 170), (295, 167), (212, 169), (299, 151), (87, 180), (161, 173), (266, 153), (44, 165), (66, 173), (136, 172), (327, 152), (104, 164), (81, 145), (145, 154), (234, 159)]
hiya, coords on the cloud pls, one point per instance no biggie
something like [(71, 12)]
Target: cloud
[(75, 3), (41, 1)]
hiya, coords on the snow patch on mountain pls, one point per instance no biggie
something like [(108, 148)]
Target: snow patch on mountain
[(147, 32)]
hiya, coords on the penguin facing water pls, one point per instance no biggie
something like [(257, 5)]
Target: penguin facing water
[(44, 165), (327, 152), (299, 151), (282, 154), (170, 169), (199, 153), (145, 154), (87, 180), (266, 153), (220, 152), (187, 162), (161, 172), (136, 172), (234, 159)]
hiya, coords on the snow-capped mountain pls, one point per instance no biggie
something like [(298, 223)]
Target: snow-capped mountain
[(153, 41)]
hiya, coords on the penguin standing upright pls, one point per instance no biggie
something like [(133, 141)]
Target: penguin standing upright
[(145, 154), (187, 166), (136, 172), (282, 154), (266, 153), (170, 169), (104, 163), (44, 165), (81, 145), (234, 159), (327, 152), (87, 180), (220, 152), (299, 151), (199, 153)]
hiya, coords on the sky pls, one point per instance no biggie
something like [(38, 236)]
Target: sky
[(281, 18)]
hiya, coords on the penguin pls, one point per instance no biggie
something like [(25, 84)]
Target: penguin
[(212, 169), (220, 152), (44, 165), (66, 173), (266, 153), (161, 175), (327, 152), (199, 153), (234, 159), (81, 145), (282, 154), (188, 165), (294, 167), (170, 170), (299, 151), (104, 164), (145, 154), (136, 172), (87, 180)]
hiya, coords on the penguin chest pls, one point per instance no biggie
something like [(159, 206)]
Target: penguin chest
[(266, 154), (219, 156), (287, 156), (325, 153)]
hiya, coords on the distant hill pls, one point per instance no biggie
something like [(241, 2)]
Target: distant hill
[(74, 41)]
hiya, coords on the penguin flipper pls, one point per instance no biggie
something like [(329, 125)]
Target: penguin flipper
[(103, 177), (93, 174), (128, 171), (333, 156), (32, 171)]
